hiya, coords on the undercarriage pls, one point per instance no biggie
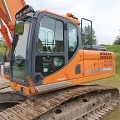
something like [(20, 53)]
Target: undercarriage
[(82, 102)]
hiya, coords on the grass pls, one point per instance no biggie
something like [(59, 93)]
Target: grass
[(113, 81), (113, 48), (2, 50)]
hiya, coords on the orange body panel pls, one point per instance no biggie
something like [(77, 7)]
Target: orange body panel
[(27, 90), (78, 60), (90, 65), (94, 65)]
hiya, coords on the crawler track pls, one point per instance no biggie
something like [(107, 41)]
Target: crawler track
[(76, 103)]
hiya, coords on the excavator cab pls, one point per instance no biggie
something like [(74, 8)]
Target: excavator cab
[(43, 47)]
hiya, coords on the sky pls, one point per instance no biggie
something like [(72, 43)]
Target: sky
[(105, 14)]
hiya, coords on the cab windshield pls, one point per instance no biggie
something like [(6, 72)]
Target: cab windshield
[(19, 55)]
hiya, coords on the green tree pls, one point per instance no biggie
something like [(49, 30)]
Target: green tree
[(19, 28), (86, 36), (117, 40)]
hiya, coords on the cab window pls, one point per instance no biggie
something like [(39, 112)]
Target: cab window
[(50, 37), (72, 41)]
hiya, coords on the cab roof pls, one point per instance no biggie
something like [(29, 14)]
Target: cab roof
[(68, 16)]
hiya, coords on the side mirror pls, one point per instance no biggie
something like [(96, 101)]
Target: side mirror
[(19, 28), (19, 60)]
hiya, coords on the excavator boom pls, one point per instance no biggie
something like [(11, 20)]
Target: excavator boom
[(8, 9)]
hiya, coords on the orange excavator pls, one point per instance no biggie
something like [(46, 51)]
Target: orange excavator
[(8, 10), (48, 66)]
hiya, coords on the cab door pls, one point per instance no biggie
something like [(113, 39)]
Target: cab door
[(49, 46)]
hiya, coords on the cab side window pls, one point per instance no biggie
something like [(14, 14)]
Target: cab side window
[(72, 41)]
